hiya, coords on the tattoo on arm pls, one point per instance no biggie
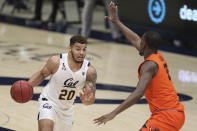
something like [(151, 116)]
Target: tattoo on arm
[(91, 81)]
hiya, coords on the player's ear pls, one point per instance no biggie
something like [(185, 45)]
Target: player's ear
[(69, 48)]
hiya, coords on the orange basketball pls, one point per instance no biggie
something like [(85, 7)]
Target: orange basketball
[(21, 91)]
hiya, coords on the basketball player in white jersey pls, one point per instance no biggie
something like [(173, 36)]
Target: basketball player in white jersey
[(71, 74)]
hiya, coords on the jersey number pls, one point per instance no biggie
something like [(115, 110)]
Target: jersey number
[(167, 71), (66, 95)]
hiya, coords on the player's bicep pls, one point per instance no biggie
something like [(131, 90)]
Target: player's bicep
[(147, 72), (91, 78), (45, 72)]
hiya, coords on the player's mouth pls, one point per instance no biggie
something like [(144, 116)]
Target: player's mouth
[(80, 58)]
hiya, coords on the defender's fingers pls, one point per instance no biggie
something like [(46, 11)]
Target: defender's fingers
[(98, 122), (98, 119), (106, 17), (112, 4)]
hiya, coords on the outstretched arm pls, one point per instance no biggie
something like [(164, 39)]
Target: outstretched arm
[(50, 68), (88, 95), (147, 73), (129, 34)]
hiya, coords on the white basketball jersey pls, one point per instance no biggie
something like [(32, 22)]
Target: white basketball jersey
[(65, 84)]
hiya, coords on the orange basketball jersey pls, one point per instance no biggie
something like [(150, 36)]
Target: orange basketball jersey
[(160, 94)]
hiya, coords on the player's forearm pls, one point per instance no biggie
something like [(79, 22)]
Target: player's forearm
[(36, 79), (131, 36), (131, 100)]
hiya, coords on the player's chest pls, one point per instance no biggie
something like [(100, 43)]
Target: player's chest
[(70, 79)]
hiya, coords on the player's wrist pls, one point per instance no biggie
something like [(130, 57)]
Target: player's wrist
[(117, 21), (30, 83), (114, 113)]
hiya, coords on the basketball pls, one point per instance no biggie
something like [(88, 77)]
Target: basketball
[(21, 91)]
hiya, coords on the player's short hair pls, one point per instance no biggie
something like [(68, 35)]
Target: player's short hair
[(78, 39), (152, 39)]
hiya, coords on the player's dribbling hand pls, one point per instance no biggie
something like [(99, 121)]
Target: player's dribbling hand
[(113, 15), (104, 119)]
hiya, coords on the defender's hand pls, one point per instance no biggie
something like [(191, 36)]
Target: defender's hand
[(104, 119), (113, 15)]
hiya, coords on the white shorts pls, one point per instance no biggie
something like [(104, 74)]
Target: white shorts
[(61, 121)]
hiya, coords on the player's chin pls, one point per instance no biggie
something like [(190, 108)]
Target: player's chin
[(79, 60)]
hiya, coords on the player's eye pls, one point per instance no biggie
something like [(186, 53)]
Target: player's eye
[(78, 49)]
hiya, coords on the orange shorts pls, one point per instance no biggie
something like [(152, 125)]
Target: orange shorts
[(165, 121)]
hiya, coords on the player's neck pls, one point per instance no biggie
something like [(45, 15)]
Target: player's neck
[(148, 53), (73, 65)]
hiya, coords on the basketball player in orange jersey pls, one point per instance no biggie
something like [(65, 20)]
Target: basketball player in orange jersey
[(154, 82), (71, 74)]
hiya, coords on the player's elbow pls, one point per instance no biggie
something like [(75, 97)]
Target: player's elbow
[(138, 94)]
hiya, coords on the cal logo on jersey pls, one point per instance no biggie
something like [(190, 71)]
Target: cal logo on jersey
[(47, 106), (70, 83)]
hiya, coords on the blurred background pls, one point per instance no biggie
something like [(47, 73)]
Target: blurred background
[(175, 20)]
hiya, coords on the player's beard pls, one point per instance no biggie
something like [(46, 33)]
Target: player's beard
[(73, 57)]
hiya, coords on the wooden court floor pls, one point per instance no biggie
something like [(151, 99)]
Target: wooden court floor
[(24, 51)]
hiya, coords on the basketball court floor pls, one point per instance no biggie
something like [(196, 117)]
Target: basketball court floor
[(23, 51)]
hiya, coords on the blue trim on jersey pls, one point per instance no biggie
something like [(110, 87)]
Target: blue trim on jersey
[(88, 64), (60, 56)]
